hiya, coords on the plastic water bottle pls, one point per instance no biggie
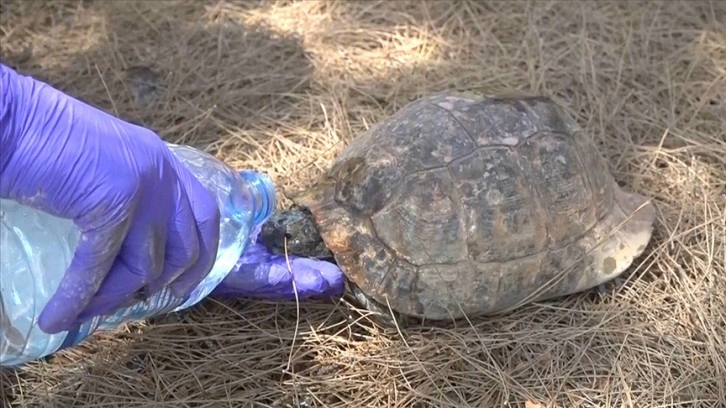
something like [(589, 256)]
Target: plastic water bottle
[(36, 248)]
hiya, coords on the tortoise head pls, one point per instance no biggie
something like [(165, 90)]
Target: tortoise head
[(294, 230)]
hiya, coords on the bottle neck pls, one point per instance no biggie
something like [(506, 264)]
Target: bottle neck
[(264, 195)]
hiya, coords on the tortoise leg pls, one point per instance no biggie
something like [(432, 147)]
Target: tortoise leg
[(385, 317), (602, 289)]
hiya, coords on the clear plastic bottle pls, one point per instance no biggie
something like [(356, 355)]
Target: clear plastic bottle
[(36, 248)]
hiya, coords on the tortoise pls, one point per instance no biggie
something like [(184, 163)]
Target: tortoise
[(464, 205)]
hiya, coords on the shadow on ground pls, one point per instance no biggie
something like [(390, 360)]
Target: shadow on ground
[(213, 75)]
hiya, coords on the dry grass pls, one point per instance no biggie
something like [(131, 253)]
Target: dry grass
[(282, 86)]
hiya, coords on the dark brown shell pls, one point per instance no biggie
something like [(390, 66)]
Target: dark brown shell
[(465, 205)]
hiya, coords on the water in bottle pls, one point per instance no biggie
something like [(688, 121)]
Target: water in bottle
[(36, 248)]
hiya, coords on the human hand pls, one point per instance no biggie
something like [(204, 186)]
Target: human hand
[(146, 223), (261, 274)]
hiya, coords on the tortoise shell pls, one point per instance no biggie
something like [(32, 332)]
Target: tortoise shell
[(462, 205)]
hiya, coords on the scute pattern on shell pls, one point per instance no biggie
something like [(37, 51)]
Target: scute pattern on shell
[(465, 205)]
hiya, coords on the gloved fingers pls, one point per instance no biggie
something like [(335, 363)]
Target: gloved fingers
[(252, 279), (270, 277), (182, 245), (97, 249), (140, 261), (318, 278), (255, 253), (252, 272), (330, 273), (205, 217), (313, 278)]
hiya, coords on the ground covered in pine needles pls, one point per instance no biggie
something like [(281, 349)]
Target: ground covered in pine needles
[(283, 86)]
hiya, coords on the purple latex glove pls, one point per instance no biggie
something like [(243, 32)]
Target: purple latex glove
[(261, 274), (145, 221)]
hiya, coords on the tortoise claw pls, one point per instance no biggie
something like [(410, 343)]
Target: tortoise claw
[(383, 315), (602, 288)]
